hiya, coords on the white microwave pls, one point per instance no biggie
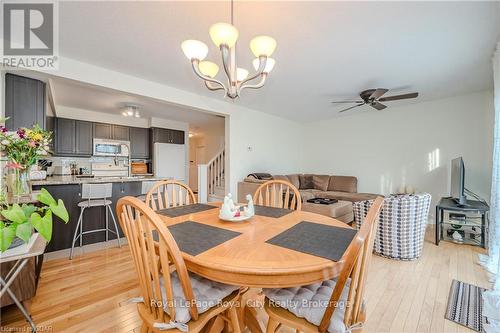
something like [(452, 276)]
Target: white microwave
[(103, 147)]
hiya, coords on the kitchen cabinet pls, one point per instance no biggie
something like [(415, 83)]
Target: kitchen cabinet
[(64, 137), (121, 133), (111, 132), (93, 218), (103, 131), (24, 102), (84, 138), (140, 142), (163, 135), (73, 137)]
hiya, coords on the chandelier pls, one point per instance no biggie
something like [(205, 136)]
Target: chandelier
[(224, 36)]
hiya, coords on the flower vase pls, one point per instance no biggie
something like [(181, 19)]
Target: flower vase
[(19, 184)]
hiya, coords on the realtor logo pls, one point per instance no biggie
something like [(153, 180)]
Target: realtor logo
[(29, 34)]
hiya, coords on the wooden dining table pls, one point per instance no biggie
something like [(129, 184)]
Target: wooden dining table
[(248, 261)]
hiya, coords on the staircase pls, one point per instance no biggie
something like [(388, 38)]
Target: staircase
[(211, 179)]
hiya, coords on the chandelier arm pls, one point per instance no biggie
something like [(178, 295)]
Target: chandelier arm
[(224, 49), (212, 87), (255, 86), (196, 68), (260, 71)]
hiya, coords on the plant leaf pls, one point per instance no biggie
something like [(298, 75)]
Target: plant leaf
[(60, 211), (46, 198), (24, 231), (43, 225), (15, 214), (7, 234), (28, 209)]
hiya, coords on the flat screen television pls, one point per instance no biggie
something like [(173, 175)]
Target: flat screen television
[(457, 188)]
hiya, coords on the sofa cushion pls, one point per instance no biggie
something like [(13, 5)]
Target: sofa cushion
[(306, 182), (346, 196), (343, 184), (294, 179), (320, 182)]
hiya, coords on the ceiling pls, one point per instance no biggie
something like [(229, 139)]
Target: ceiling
[(87, 97), (326, 50)]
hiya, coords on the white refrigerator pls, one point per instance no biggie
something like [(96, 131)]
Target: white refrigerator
[(170, 161)]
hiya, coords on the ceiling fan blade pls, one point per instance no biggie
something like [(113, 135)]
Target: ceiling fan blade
[(347, 102), (352, 107), (396, 97), (378, 92), (378, 106)]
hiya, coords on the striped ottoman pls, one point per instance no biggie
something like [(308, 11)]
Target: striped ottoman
[(401, 231)]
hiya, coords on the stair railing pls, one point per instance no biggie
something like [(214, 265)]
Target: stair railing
[(211, 176)]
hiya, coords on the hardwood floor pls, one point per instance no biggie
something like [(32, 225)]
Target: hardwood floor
[(90, 293)]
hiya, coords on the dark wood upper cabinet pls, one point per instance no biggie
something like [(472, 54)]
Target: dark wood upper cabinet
[(24, 102), (73, 137), (113, 132), (121, 133), (84, 138), (140, 140), (178, 137), (163, 135), (103, 131), (64, 136)]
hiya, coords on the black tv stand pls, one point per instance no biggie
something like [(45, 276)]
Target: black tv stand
[(472, 207)]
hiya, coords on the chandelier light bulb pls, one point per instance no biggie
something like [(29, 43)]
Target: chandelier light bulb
[(263, 46), (208, 68), (125, 113), (194, 49), (137, 115), (130, 112), (241, 74), (224, 34), (269, 64)]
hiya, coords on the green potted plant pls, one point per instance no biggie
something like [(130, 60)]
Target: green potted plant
[(21, 220)]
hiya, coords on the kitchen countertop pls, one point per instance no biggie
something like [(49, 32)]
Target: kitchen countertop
[(66, 180)]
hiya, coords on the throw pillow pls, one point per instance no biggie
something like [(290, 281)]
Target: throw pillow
[(320, 182), (306, 182)]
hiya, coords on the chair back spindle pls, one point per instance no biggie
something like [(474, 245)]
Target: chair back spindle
[(278, 194), (169, 193)]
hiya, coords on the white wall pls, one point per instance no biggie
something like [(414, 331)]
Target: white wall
[(407, 145), (259, 142)]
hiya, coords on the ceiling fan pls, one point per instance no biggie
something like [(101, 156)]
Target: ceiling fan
[(373, 97)]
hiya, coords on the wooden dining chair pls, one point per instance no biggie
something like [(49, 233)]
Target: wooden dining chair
[(171, 298), (169, 193), (343, 309), (279, 194)]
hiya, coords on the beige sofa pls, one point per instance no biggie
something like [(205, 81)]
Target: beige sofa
[(342, 188)]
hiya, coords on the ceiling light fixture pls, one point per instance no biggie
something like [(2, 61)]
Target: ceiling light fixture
[(131, 111), (225, 36)]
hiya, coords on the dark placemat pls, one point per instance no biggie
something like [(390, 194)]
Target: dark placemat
[(185, 210), (195, 238), (317, 239), (271, 211)]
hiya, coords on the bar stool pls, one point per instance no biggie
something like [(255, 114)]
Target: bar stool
[(95, 195)]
